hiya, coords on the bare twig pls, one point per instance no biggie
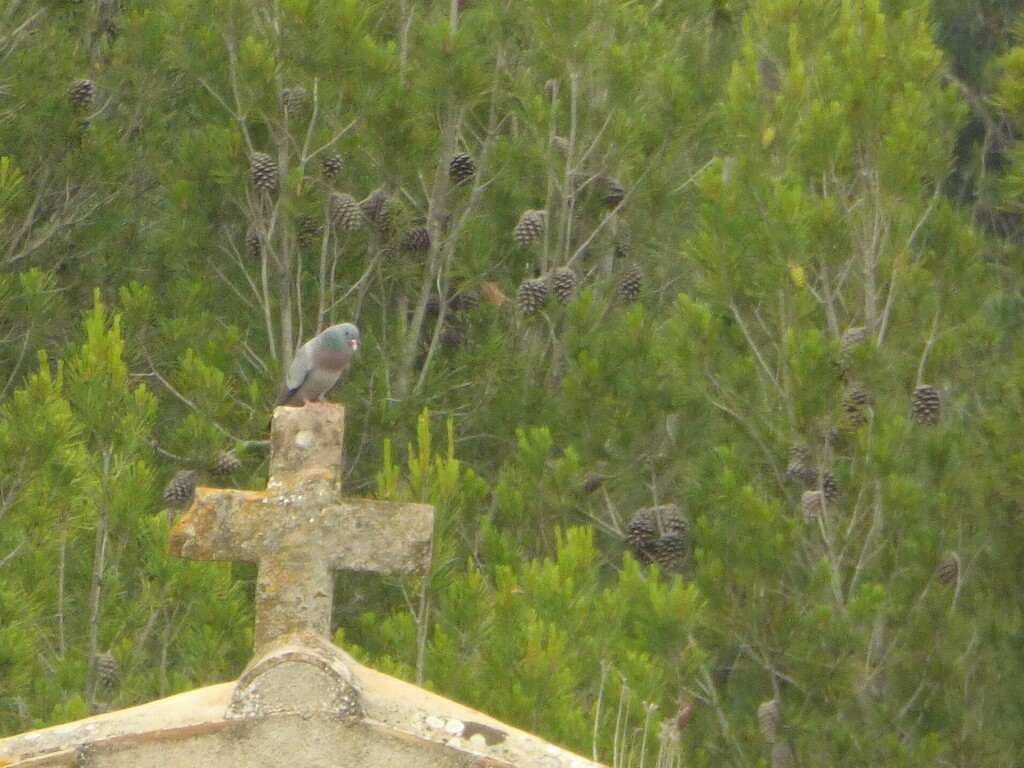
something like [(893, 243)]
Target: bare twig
[(403, 40), (61, 576), (98, 565), (872, 534), (932, 335), (610, 216), (694, 176), (899, 261), (16, 368), (711, 694), (754, 347), (10, 41), (827, 299), (332, 141), (605, 666), (192, 406), (440, 254), (754, 435), (12, 554)]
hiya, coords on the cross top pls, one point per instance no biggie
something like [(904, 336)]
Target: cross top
[(299, 532)]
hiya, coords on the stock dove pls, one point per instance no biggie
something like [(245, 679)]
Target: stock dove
[(319, 365)]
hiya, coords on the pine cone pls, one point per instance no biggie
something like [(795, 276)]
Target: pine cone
[(769, 718), (253, 245), (592, 482), (828, 433), (416, 240), (800, 468), (948, 569), (263, 172), (181, 488), (107, 670), (385, 220), (377, 208), (463, 302), (659, 534), (856, 402), (82, 94), (345, 212), (310, 231), (812, 504), (926, 405), (295, 101), (564, 284), (330, 167), (452, 337), (530, 227), (227, 463), (623, 247), (461, 168), (858, 394), (642, 536), (630, 284), (613, 193), (532, 296), (673, 521), (829, 487), (720, 674), (671, 553), (852, 337), (372, 204)]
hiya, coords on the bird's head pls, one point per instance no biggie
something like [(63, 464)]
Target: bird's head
[(343, 337)]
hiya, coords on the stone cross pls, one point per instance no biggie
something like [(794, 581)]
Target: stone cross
[(300, 532)]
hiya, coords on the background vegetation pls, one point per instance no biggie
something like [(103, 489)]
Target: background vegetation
[(758, 260)]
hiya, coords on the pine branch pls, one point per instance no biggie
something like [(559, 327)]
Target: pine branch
[(899, 261), (927, 348), (61, 576), (98, 566), (13, 554), (755, 348)]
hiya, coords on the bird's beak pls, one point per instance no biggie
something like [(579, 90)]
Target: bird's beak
[(355, 345)]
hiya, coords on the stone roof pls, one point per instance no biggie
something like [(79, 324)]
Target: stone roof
[(399, 723)]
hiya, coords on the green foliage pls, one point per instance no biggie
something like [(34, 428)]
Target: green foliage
[(792, 170), (490, 614), (87, 563)]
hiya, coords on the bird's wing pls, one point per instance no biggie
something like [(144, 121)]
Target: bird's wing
[(298, 372)]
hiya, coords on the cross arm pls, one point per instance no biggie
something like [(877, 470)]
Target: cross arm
[(221, 525), (378, 536)]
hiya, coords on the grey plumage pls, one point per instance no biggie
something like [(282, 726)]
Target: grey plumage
[(319, 365)]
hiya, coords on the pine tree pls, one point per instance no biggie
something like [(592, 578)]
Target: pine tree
[(85, 427), (791, 202)]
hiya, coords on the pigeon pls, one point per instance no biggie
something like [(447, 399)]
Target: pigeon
[(319, 365)]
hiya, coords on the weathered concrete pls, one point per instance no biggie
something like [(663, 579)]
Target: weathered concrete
[(299, 531), (272, 742), (297, 677), (158, 733)]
